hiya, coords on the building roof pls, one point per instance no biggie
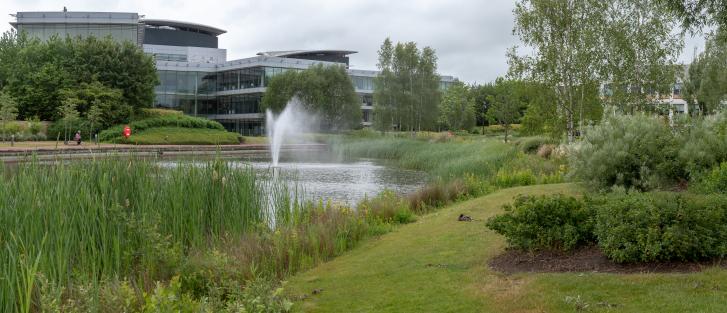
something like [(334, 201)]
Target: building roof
[(180, 24), (294, 53), (64, 17)]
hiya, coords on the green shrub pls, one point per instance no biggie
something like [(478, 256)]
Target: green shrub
[(545, 222), (661, 226), (706, 145), (168, 120), (714, 181), (155, 112), (12, 128), (260, 295), (628, 151), (532, 144), (34, 126)]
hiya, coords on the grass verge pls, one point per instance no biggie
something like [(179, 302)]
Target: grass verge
[(184, 136), (440, 265)]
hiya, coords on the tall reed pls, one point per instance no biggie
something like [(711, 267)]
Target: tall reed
[(445, 160), (93, 220)]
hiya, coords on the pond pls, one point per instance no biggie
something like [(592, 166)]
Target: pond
[(321, 176)]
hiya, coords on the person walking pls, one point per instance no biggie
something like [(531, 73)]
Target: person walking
[(77, 138)]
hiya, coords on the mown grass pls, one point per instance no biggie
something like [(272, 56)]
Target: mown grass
[(440, 265), (182, 136)]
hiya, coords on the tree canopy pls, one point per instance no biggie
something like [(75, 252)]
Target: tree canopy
[(695, 14), (324, 90), (406, 92), (706, 83), (580, 44), (457, 110), (39, 74)]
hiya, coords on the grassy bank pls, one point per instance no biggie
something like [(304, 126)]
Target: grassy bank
[(440, 265), (183, 136), (126, 235), (160, 129)]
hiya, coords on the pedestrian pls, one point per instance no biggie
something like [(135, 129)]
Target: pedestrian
[(77, 138)]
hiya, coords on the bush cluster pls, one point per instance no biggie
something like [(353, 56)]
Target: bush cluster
[(168, 120), (631, 151), (23, 131), (545, 222), (714, 181), (705, 145), (661, 226), (628, 227), (643, 153)]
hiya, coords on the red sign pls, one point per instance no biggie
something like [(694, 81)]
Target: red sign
[(127, 131)]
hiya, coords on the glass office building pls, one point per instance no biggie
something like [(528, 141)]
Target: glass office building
[(44, 25), (194, 73)]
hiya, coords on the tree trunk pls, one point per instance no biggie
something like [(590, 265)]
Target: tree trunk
[(506, 127)]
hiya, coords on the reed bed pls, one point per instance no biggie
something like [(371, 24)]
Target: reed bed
[(89, 221), (459, 168), (127, 235), (443, 160)]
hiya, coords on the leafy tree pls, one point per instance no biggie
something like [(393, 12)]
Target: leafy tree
[(406, 93), (94, 117), (36, 72), (8, 111), (565, 35), (69, 116), (457, 110), (580, 44), (695, 14), (706, 82), (505, 104), (479, 95), (325, 90), (640, 51), (427, 90), (384, 108), (109, 101)]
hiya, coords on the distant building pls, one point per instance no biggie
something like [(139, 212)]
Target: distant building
[(673, 101), (195, 75)]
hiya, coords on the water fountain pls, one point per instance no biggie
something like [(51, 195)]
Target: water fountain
[(281, 127)]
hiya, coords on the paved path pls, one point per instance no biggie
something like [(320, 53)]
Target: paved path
[(46, 150)]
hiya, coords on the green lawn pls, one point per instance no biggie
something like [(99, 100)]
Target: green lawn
[(440, 265), (183, 136)]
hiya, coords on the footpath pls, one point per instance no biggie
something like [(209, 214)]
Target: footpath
[(51, 150)]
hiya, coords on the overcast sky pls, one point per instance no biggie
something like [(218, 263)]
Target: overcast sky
[(470, 36)]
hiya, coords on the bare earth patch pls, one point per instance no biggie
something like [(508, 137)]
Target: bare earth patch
[(588, 259)]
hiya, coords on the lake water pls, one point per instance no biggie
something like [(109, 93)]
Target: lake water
[(317, 175), (322, 177)]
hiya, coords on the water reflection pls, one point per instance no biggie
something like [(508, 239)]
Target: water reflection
[(347, 182)]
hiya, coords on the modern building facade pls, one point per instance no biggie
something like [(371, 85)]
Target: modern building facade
[(195, 75)]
